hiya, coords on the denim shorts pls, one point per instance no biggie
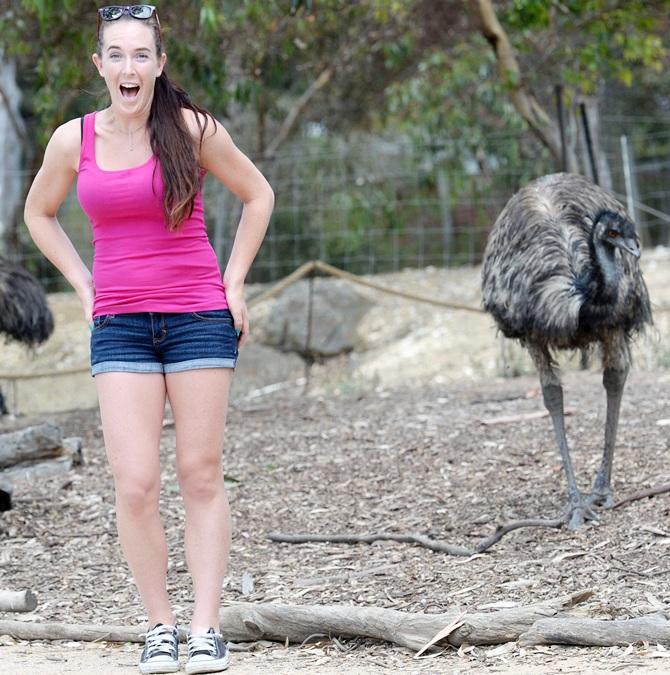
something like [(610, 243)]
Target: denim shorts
[(152, 342)]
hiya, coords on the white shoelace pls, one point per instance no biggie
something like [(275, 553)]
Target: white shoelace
[(205, 643), (160, 639)]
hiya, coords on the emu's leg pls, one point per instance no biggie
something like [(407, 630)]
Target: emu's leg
[(616, 363), (578, 509)]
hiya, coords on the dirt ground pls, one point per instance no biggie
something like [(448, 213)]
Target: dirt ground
[(390, 439), (399, 460)]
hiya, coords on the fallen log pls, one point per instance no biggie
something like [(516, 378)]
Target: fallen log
[(249, 622), (654, 628), (17, 601), (273, 621), (35, 442), (23, 630)]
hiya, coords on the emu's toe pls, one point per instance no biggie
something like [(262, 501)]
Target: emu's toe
[(578, 513), (601, 496)]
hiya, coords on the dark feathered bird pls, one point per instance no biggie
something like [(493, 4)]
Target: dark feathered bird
[(561, 272), (24, 313)]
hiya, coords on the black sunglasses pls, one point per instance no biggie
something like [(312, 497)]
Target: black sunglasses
[(114, 12)]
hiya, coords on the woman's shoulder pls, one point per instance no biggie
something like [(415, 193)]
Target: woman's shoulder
[(196, 121), (65, 142), (68, 131)]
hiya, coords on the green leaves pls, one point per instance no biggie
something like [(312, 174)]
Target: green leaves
[(580, 42)]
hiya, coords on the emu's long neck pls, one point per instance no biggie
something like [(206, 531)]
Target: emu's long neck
[(607, 269)]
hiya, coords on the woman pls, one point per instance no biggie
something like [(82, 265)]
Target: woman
[(163, 321)]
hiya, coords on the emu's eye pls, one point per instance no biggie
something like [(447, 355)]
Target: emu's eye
[(612, 233)]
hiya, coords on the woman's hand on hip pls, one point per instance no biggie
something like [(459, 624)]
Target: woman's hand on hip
[(86, 295), (238, 308)]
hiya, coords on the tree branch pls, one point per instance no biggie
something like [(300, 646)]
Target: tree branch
[(649, 492), (416, 538), (524, 102), (291, 120)]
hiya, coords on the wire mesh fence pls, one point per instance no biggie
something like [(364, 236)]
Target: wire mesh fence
[(373, 205)]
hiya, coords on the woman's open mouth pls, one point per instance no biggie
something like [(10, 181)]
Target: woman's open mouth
[(129, 91)]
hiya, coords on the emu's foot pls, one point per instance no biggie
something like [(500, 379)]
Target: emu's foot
[(579, 511), (601, 496)]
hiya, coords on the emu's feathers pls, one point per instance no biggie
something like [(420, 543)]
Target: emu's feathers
[(24, 313), (541, 278)]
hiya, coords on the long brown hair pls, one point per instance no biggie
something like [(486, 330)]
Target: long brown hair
[(170, 138)]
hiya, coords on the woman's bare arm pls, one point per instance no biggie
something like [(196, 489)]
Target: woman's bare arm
[(48, 191)]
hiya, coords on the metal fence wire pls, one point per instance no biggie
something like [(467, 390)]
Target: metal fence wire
[(375, 205)]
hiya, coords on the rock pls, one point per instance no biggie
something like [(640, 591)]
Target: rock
[(259, 366), (337, 311)]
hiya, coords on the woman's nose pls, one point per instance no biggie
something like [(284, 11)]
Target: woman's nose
[(128, 66)]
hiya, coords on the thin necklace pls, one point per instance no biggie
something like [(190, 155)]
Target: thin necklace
[(130, 133)]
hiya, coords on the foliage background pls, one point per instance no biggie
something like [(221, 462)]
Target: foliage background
[(391, 130)]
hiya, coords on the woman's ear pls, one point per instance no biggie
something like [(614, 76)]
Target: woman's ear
[(97, 62), (161, 64)]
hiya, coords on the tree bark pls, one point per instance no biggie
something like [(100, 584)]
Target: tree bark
[(654, 628)]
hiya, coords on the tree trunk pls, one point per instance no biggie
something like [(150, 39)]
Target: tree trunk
[(12, 141)]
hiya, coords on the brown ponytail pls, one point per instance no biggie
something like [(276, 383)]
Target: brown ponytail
[(172, 143), (171, 140)]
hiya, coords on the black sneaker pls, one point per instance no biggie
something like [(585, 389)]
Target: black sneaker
[(161, 650), (207, 653)]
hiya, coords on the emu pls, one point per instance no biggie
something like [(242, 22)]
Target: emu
[(24, 313), (561, 271)]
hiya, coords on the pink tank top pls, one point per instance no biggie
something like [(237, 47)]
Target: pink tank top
[(138, 265)]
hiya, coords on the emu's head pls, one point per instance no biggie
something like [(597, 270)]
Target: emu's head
[(612, 230)]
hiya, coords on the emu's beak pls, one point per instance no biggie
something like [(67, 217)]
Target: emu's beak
[(630, 246)]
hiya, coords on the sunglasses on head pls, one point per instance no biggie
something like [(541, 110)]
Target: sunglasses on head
[(114, 12)]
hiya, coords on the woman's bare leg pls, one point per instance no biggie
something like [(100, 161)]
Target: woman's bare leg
[(131, 408), (199, 400)]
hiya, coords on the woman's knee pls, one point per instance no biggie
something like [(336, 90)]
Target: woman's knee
[(200, 480), (137, 494)]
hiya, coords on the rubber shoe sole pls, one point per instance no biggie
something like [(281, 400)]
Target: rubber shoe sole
[(207, 666), (158, 667)]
